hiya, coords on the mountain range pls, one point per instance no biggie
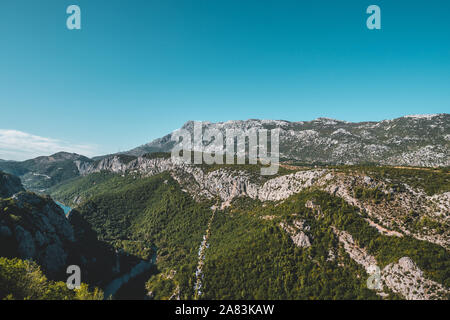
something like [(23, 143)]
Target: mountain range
[(415, 140), (356, 211)]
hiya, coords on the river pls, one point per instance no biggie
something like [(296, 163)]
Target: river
[(64, 207), (138, 269), (116, 284)]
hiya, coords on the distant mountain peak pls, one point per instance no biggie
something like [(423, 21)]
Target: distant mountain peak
[(62, 155), (416, 140), (424, 116)]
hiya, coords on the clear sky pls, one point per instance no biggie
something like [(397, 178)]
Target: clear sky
[(139, 69)]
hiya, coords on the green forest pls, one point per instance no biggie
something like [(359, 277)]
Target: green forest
[(249, 255), (24, 280)]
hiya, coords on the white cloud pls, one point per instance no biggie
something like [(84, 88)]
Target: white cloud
[(18, 145)]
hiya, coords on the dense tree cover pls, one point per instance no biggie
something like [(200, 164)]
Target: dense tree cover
[(161, 287), (23, 280), (84, 187), (156, 155), (54, 171), (254, 170), (432, 181), (136, 213), (431, 258), (251, 257), (374, 194)]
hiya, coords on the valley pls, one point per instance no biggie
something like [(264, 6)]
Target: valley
[(144, 227)]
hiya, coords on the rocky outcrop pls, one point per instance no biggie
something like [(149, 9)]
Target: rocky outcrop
[(38, 230), (296, 231), (358, 254), (406, 279), (9, 185), (281, 188), (409, 140), (226, 183), (33, 227)]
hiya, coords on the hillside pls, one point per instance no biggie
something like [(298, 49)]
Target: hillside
[(422, 140), (34, 228), (350, 202), (9, 185), (23, 280), (276, 237), (43, 172)]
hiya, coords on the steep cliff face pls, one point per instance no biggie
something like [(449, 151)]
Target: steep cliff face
[(394, 207), (398, 205), (35, 228), (9, 185), (405, 278)]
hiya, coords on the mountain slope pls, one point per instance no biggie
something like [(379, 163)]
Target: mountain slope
[(408, 141), (24, 280), (330, 225), (35, 228), (411, 140), (312, 246), (415, 201), (224, 231), (43, 172), (9, 185), (139, 214)]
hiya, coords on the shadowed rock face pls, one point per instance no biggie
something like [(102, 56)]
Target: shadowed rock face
[(9, 185), (35, 228)]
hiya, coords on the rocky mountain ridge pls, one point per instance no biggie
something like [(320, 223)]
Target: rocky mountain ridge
[(421, 140), (398, 203), (415, 140), (387, 206), (228, 184)]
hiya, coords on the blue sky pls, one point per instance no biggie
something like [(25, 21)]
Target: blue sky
[(140, 69)]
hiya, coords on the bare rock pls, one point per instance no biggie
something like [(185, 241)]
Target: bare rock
[(406, 279)]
